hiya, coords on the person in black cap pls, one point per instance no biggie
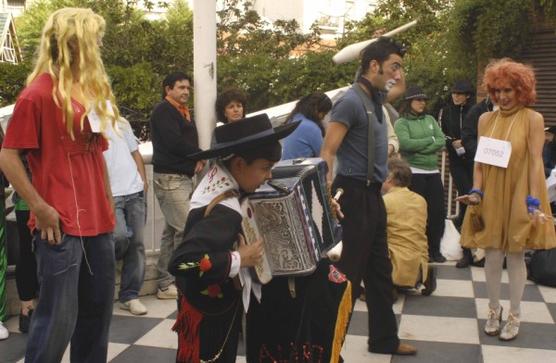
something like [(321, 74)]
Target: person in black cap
[(205, 264), (451, 119), (549, 150), (420, 140)]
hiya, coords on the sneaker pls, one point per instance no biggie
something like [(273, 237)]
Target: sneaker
[(134, 306), (170, 292), (492, 325), (4, 333), (510, 330), (25, 321)]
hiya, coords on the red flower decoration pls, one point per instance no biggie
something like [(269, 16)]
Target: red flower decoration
[(214, 291), (205, 264)]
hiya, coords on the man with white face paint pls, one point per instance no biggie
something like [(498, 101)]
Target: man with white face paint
[(357, 135)]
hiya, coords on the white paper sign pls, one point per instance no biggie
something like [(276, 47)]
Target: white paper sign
[(493, 152)]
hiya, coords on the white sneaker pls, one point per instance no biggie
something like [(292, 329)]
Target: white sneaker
[(171, 292), (492, 325), (134, 306), (511, 329), (4, 333)]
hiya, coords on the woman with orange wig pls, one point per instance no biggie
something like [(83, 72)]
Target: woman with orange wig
[(509, 204)]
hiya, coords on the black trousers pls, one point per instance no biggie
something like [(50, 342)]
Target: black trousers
[(365, 257), (26, 267), (462, 174), (430, 187)]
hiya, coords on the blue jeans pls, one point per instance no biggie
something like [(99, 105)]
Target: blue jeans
[(74, 302), (173, 193), (128, 234)]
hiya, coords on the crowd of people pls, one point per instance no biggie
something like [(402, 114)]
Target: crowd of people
[(81, 189)]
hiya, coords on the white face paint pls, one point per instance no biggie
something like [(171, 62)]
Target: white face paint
[(389, 84)]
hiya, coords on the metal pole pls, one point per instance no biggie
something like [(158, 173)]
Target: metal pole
[(204, 68)]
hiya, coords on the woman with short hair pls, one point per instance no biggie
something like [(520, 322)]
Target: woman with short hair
[(509, 209)]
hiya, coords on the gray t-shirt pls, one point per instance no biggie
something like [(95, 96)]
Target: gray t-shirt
[(352, 154)]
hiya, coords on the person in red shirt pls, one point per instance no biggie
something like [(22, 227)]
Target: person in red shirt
[(57, 124)]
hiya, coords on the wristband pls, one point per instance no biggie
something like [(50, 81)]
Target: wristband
[(532, 204), (476, 191)]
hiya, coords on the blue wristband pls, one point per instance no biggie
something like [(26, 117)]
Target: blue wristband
[(532, 204), (476, 191)]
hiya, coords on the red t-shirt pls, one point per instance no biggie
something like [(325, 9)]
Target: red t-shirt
[(68, 174)]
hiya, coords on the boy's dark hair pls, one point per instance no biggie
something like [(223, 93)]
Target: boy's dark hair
[(271, 152), (171, 79), (310, 106), (224, 99), (400, 172), (380, 50)]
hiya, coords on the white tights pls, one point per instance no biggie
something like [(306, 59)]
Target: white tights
[(517, 273)]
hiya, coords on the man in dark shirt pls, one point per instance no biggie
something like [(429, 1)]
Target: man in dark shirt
[(358, 136), (174, 136)]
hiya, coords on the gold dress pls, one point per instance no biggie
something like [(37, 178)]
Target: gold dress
[(507, 224)]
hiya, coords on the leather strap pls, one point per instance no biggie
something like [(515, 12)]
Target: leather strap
[(369, 109)]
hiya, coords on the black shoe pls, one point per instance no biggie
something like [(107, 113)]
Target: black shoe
[(430, 282), (25, 321), (463, 262), (439, 258)]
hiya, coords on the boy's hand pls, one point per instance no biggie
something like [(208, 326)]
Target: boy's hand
[(252, 254)]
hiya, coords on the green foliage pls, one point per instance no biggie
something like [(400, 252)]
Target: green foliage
[(12, 81)]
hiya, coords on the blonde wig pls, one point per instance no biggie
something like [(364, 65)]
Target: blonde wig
[(70, 38)]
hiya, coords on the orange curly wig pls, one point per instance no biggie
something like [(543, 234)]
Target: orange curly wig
[(506, 72)]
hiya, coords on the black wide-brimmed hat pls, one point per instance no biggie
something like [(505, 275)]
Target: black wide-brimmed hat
[(462, 86), (247, 133), (415, 92)]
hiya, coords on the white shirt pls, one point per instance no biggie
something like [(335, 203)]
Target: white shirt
[(122, 169)]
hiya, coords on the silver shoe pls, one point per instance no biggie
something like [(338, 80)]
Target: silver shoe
[(511, 329), (492, 326)]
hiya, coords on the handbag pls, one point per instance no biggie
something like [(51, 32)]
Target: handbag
[(542, 268)]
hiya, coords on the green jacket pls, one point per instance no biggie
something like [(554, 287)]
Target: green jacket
[(420, 139)]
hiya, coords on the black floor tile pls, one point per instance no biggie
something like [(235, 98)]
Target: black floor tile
[(359, 324), (452, 273), (457, 307), (531, 335), (144, 354), (174, 315), (127, 329), (552, 309), (531, 292), (13, 348), (435, 352)]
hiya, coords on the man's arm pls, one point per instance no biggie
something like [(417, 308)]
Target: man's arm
[(141, 168), (48, 220), (107, 189), (333, 139)]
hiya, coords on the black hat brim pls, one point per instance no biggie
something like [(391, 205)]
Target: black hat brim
[(250, 142)]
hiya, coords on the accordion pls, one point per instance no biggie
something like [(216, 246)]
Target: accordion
[(291, 215)]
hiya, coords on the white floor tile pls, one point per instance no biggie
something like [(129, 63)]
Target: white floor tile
[(398, 305), (532, 312), (355, 351), (548, 293), (439, 329), (454, 288), (241, 360), (497, 354), (160, 336), (156, 308)]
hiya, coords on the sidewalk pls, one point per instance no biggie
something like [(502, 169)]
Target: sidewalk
[(445, 327)]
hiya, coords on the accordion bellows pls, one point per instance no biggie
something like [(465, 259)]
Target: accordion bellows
[(292, 216)]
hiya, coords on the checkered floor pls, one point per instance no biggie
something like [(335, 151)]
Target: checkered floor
[(445, 327)]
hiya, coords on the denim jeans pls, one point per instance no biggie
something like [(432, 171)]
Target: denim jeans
[(173, 193), (75, 299), (128, 235)]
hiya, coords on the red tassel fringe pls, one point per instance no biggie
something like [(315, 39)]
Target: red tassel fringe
[(187, 326)]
